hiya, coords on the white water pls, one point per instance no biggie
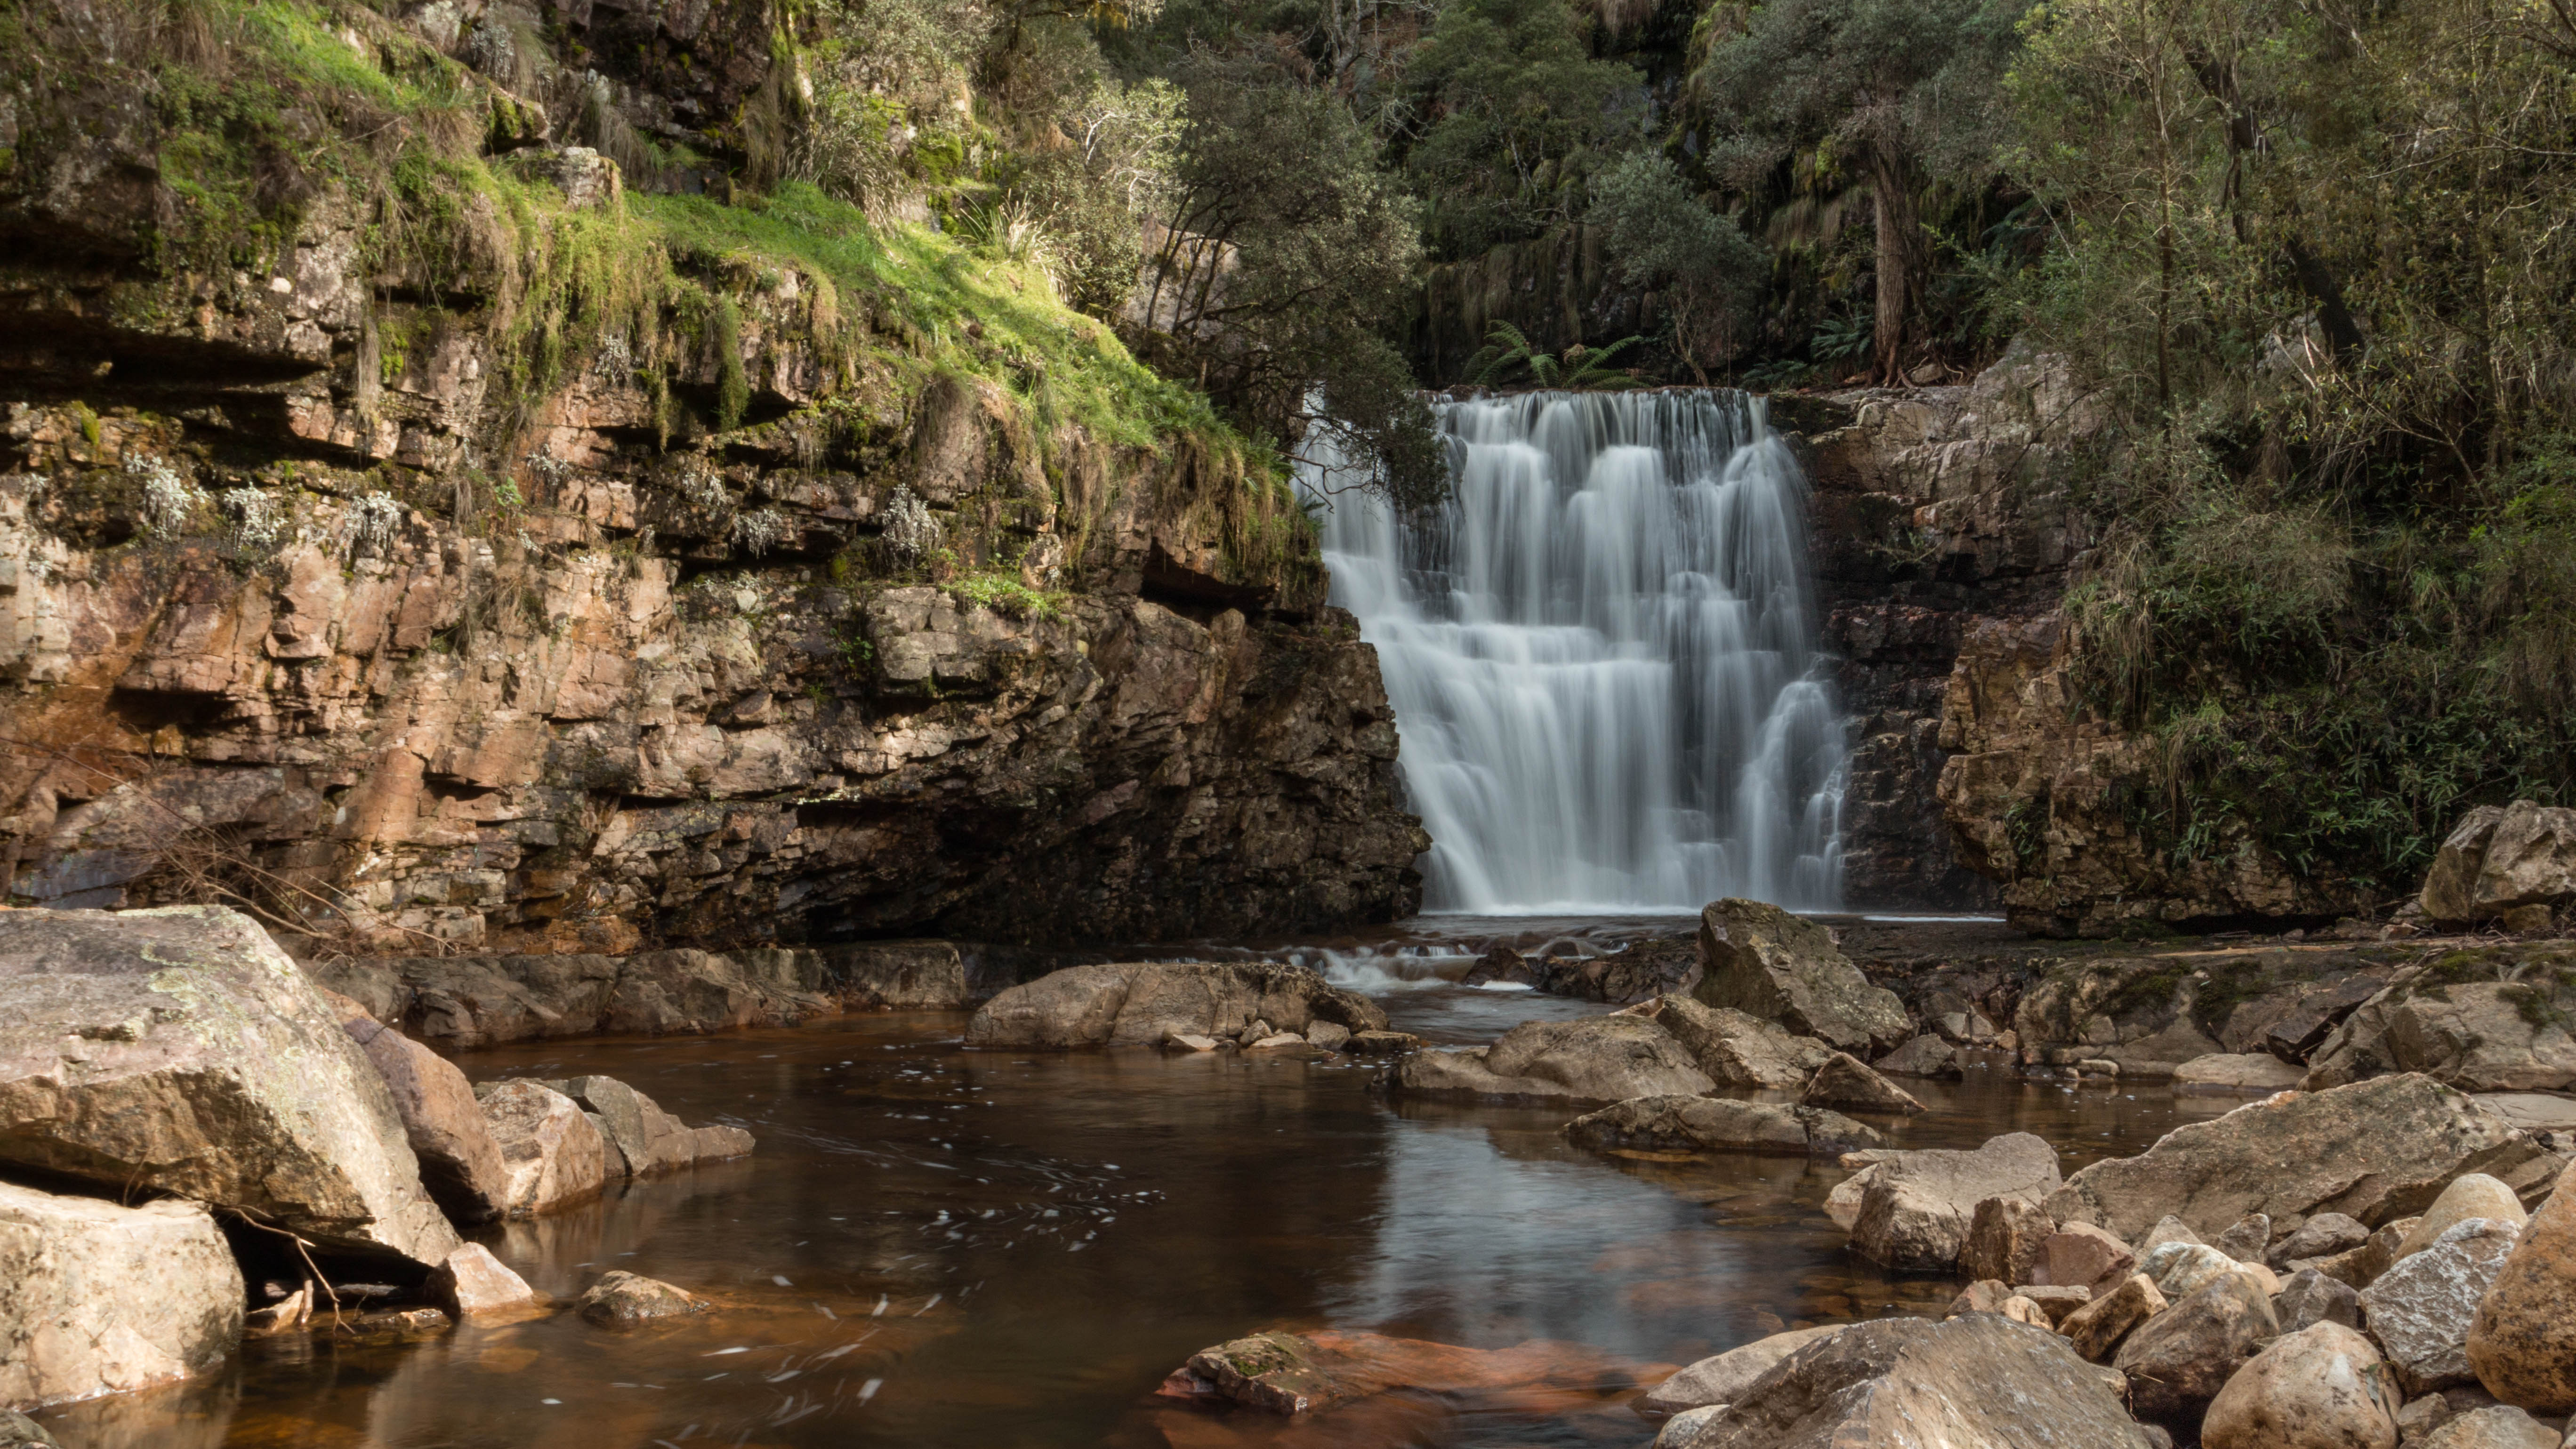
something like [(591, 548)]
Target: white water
[(1602, 657)]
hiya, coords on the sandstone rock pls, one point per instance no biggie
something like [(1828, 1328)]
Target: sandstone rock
[(1924, 1056), (2498, 1427), (1716, 1124), (2421, 1309), (895, 975), (2529, 860), (2246, 1241), (2372, 1151), (2168, 1229), (2178, 1360), (2304, 1027), (1723, 1378), (1688, 1429), (2007, 1240), (2321, 1236), (2532, 1111), (554, 1156), (1975, 1382), (2098, 1327), (17, 1431), (1141, 1004), (1600, 1058), (1383, 1043), (180, 1051), (1843, 1082), (649, 1140), (2057, 1302), (1761, 960), (1500, 964), (1735, 1048), (1290, 1373), (1329, 1036), (1275, 1041), (2472, 1195), (469, 1001), (1911, 1210), (622, 1300), (474, 1284), (2315, 1388), (2083, 1256), (1986, 1295), (460, 1164), (100, 1298), (2522, 1343), (2479, 1036), (2421, 1416), (2182, 1269), (2311, 1298), (2450, 886), (2259, 1072), (1191, 1042)]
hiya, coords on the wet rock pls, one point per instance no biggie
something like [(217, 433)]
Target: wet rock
[(1383, 1043), (2083, 1256), (2178, 1360), (1601, 1058), (180, 1051), (2372, 1151), (1924, 1056), (2007, 1240), (554, 1156), (1717, 1124), (2259, 1072), (2498, 1427), (649, 1140), (1843, 1082), (100, 1298), (1329, 1036), (1979, 1381), (2473, 1195), (2319, 1387), (1502, 964), (460, 1164), (2246, 1241), (1291, 1373), (17, 1431), (622, 1300), (2522, 1342), (2097, 1328), (1735, 1048), (1141, 1004), (1761, 960), (2421, 1309), (1911, 1210), (2321, 1236), (474, 1284), (2311, 1298), (1723, 1378)]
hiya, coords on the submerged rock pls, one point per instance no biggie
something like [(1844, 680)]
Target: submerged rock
[(1293, 1373), (622, 1300), (1843, 1082), (1717, 1124), (1763, 961), (1911, 1210), (1145, 1003), (181, 1051), (1600, 1058), (97, 1298)]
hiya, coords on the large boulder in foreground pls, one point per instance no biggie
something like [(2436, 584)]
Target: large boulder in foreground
[(2522, 1344), (1978, 1381), (1719, 1124), (97, 1298), (1146, 1003), (2321, 1387), (1597, 1059), (460, 1164), (1912, 1210), (2375, 1150), (1765, 962), (180, 1051)]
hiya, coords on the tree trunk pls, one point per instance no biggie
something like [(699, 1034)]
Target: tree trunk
[(1899, 262)]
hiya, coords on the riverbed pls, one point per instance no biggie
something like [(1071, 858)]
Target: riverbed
[(936, 1246)]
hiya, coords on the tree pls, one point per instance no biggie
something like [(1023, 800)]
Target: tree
[(1711, 274)]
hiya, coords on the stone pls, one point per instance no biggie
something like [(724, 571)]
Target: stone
[(1599, 1058), (2450, 885), (2178, 1360), (1734, 1048), (474, 1284), (2081, 1255), (894, 975), (2168, 1229), (459, 1002), (1765, 962), (2320, 1387), (650, 1140), (2421, 1416), (1190, 1042), (2532, 1111), (2259, 1072), (180, 1051), (1274, 1041), (2310, 1298), (2472, 1195), (2522, 1342), (1986, 1295), (100, 1298), (1979, 1381), (2498, 1427), (1383, 1043), (1843, 1082), (1717, 1124), (17, 1431), (2007, 1240), (2422, 1308), (623, 1300), (2321, 1236), (2304, 1027), (460, 1164), (2181, 1269), (2372, 1151), (2058, 1303), (1330, 1036), (2246, 1241), (1924, 1056), (2529, 859), (2096, 1328), (1911, 1210), (1142, 1004), (1291, 1373), (1259, 1031), (1723, 1378), (1685, 1430), (1499, 965), (554, 1156), (2489, 1037)]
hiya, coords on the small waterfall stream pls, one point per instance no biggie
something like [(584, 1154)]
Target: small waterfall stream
[(1602, 657)]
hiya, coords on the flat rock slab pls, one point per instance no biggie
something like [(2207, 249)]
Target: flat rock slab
[(1735, 1048), (180, 1051), (2258, 1072), (1294, 1373), (1598, 1059), (1723, 1378), (1912, 1210), (1146, 1003), (1717, 1124), (468, 1001), (100, 1298)]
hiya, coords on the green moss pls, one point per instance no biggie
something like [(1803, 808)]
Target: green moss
[(1005, 594)]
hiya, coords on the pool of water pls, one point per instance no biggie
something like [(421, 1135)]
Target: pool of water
[(935, 1246)]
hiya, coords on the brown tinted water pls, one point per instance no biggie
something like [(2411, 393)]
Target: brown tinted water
[(941, 1247)]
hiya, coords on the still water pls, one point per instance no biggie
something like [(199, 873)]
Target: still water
[(940, 1247)]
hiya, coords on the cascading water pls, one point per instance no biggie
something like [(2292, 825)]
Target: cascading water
[(1602, 657)]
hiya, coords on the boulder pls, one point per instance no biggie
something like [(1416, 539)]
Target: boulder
[(1330, 1036), (2168, 1229), (2083, 1256), (1924, 1056), (895, 975), (2096, 1328), (2522, 855), (180, 1051), (554, 1155), (1735, 1048), (2472, 1195), (2259, 1072), (2522, 1342), (2320, 1387), (1723, 1378), (1763, 961), (1383, 1043), (1143, 1004), (1843, 1082), (2310, 1298), (2007, 1240), (468, 1001), (622, 1300), (460, 1164), (2246, 1241), (2421, 1309), (2321, 1236), (474, 1284), (2479, 1036), (2182, 1269), (1911, 1210), (2372, 1151), (17, 1431), (2178, 1360), (2058, 1303), (1598, 1058), (100, 1298), (1291, 1373), (1500, 965), (1717, 1124), (1979, 1381), (648, 1139), (2451, 885), (1689, 1429), (2312, 1018), (2497, 1426)]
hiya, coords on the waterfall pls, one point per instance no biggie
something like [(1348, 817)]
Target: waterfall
[(1602, 656)]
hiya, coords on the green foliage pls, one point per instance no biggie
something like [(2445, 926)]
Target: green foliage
[(1578, 369), (1709, 273), (1003, 592)]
